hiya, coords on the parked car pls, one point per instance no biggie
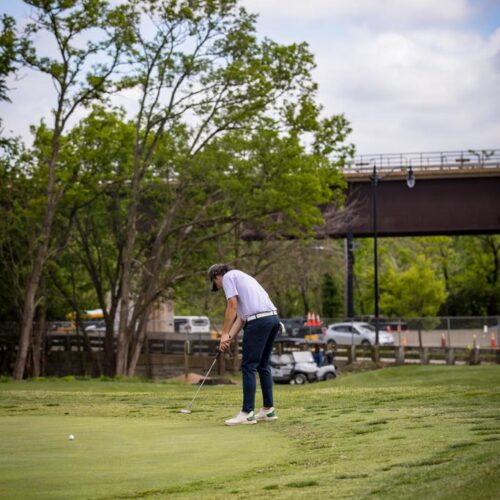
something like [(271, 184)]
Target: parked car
[(95, 326), (355, 333), (298, 367), (391, 325), (292, 326), (192, 325)]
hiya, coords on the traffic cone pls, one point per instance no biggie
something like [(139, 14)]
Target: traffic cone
[(308, 322), (318, 322), (443, 340), (493, 341)]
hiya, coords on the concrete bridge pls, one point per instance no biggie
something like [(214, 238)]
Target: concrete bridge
[(415, 194), (455, 192)]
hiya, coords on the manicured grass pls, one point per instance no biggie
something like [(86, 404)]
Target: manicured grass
[(409, 432)]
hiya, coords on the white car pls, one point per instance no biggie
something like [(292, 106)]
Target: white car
[(356, 333)]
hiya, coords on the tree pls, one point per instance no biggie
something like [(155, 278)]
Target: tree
[(293, 272), (17, 191), (413, 293), (94, 214), (213, 100), (333, 305), (8, 54), (227, 137), (474, 283), (89, 38)]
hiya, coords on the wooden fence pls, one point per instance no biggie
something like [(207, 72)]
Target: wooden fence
[(65, 355), (397, 355)]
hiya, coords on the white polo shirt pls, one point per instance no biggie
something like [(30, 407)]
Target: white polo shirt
[(252, 298)]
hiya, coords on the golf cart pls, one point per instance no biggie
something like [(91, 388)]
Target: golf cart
[(299, 367)]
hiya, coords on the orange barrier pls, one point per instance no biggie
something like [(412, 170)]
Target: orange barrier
[(493, 341), (309, 320), (313, 319)]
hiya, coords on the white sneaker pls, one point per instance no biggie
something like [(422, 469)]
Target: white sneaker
[(242, 418), (266, 415)]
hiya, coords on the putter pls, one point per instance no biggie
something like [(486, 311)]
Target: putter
[(188, 409)]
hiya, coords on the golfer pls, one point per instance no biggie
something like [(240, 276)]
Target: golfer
[(248, 307)]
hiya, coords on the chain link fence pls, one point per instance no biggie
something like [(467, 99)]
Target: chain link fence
[(477, 331)]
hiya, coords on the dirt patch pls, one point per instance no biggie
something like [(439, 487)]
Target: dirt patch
[(361, 366), (195, 379)]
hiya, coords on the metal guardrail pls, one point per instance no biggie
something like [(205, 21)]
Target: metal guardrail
[(425, 161)]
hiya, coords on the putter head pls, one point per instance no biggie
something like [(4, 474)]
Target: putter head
[(186, 411)]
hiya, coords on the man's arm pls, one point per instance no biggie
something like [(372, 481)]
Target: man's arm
[(229, 319), (233, 333)]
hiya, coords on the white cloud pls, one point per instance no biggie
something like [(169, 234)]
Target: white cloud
[(370, 11), (412, 75), (413, 90), (409, 75)]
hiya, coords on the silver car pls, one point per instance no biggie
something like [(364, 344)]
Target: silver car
[(355, 333)]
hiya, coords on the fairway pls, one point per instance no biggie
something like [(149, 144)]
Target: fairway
[(113, 456), (408, 432)]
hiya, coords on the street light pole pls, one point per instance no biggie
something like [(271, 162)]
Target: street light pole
[(374, 180), (410, 182)]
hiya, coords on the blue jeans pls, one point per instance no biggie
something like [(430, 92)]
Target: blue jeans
[(258, 339)]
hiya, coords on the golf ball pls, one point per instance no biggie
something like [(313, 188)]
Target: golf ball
[(71, 437)]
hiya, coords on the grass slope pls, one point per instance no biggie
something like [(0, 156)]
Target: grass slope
[(408, 432)]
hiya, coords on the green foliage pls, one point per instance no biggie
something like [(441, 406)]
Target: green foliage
[(415, 292), (228, 137), (466, 266), (204, 165), (8, 53), (474, 281), (333, 303)]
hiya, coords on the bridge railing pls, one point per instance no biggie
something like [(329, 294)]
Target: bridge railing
[(425, 161)]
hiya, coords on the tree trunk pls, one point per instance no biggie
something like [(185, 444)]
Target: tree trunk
[(29, 306), (123, 330), (87, 348), (305, 301), (138, 342), (38, 340), (41, 253), (109, 344)]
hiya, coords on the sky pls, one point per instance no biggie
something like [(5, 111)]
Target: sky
[(409, 75)]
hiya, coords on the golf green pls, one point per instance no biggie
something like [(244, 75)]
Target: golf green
[(120, 455)]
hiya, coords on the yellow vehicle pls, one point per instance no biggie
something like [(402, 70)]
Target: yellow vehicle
[(90, 314)]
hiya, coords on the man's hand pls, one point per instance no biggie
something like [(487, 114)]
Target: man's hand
[(225, 342)]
